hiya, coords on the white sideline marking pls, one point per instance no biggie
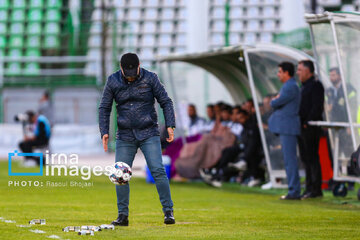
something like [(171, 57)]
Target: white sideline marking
[(37, 231), (9, 221), (54, 236)]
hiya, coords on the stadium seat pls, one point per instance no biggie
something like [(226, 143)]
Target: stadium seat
[(167, 27), (253, 12), (163, 51), (181, 40), (152, 3), (250, 38), (53, 4), (236, 25), (32, 68), (51, 42), (169, 3), (32, 53), (217, 39), (3, 15), (253, 25), (95, 41), (165, 40), (151, 14), (33, 42), (149, 27), (53, 15), (15, 53), (236, 12), (269, 11), (234, 38), (36, 4), (14, 68), (218, 13), (181, 27), (134, 14), (3, 28), (52, 28), (266, 37), (135, 3), (132, 27), (18, 15), (269, 25), (148, 40), (16, 41), (96, 28), (17, 28), (19, 4), (218, 25), (96, 15), (4, 4), (168, 14), (34, 28), (35, 15)]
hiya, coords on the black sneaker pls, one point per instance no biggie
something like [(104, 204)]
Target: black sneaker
[(122, 220), (312, 195), (169, 217)]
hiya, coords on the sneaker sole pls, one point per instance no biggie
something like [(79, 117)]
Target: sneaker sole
[(169, 221), (120, 224)]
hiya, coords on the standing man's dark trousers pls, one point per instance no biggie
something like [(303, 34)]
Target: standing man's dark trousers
[(288, 147), (309, 153)]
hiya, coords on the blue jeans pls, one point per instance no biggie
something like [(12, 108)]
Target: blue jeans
[(288, 146), (125, 152)]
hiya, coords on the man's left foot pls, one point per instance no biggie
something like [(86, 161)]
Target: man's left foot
[(289, 197), (169, 217), (312, 195)]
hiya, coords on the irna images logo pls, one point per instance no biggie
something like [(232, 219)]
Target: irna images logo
[(15, 153)]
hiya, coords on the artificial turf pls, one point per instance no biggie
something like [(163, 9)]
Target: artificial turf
[(202, 212)]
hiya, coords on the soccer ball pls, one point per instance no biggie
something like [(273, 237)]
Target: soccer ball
[(120, 173)]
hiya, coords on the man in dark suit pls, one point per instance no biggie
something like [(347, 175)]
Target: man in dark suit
[(311, 109), (285, 121)]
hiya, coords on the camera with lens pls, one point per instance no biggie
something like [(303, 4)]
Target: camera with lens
[(22, 117)]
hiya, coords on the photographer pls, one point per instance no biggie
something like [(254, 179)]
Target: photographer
[(40, 138)]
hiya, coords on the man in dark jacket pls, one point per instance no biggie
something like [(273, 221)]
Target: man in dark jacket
[(251, 152), (311, 109), (134, 90), (336, 108), (40, 138)]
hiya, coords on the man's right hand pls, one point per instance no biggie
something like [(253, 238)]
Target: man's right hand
[(105, 141)]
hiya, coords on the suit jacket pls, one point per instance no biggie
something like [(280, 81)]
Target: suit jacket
[(285, 117), (312, 101)]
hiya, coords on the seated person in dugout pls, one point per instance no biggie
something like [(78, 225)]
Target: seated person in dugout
[(244, 155), (206, 152), (40, 136), (196, 123)]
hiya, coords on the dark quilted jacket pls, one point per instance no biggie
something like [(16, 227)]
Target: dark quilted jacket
[(135, 105)]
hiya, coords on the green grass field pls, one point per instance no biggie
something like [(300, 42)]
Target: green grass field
[(201, 212)]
